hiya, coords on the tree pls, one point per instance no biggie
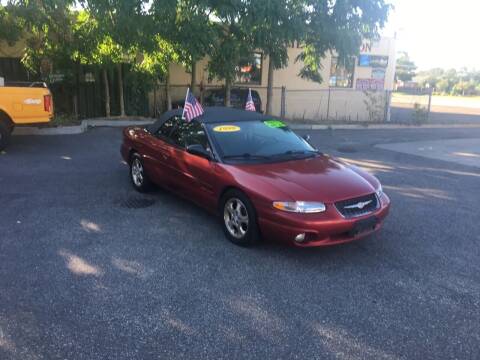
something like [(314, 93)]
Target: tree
[(186, 27), (338, 26), (443, 86), (47, 29), (319, 26), (95, 48), (405, 68), (156, 62), (463, 82), (124, 23), (9, 22), (275, 25), (226, 55), (463, 88), (430, 78)]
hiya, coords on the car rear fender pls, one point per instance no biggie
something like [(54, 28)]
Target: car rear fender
[(5, 118)]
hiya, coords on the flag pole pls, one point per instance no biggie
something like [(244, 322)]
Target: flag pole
[(185, 102)]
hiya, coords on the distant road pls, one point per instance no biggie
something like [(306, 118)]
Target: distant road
[(442, 104), (444, 109), (457, 102)]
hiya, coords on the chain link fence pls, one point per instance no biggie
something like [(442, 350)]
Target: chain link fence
[(326, 106), (336, 105), (410, 106)]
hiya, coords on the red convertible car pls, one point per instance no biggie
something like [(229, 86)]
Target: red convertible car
[(261, 178)]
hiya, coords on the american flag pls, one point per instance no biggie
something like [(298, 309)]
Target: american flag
[(250, 105), (192, 108)]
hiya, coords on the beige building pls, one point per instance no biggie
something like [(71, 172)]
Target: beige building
[(344, 94)]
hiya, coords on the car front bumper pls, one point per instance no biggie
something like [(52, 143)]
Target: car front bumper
[(324, 229)]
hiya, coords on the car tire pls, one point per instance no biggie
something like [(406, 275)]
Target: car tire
[(5, 135), (239, 220), (138, 176)]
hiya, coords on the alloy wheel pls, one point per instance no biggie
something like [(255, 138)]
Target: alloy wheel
[(235, 215), (137, 172)]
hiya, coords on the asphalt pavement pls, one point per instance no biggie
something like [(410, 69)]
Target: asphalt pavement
[(90, 269)]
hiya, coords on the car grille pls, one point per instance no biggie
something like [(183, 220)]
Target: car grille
[(358, 206)]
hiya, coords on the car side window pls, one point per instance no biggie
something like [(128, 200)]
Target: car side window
[(189, 133), (178, 134), (167, 127), (195, 134)]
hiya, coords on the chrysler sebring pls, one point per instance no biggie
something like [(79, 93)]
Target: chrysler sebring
[(258, 176)]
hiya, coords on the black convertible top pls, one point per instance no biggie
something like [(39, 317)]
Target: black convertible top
[(212, 114)]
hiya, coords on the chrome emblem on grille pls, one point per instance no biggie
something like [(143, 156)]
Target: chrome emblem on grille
[(360, 205)]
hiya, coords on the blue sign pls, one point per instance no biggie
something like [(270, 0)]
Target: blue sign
[(364, 60)]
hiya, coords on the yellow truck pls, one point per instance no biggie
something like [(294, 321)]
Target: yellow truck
[(23, 104)]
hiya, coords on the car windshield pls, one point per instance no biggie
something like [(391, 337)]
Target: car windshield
[(258, 141)]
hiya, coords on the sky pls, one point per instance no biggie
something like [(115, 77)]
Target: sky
[(437, 33)]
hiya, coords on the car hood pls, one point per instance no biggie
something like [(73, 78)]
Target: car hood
[(313, 179)]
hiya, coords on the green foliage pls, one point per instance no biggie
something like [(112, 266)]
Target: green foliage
[(273, 26), (156, 61), (419, 115), (9, 22), (47, 28), (228, 50), (93, 47), (451, 82), (185, 25), (405, 68), (339, 26), (149, 35), (464, 88)]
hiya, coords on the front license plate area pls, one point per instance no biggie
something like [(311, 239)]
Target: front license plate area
[(363, 226)]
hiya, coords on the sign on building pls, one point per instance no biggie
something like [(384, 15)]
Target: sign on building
[(370, 84)]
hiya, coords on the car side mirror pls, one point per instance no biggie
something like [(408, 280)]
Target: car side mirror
[(306, 137), (199, 150)]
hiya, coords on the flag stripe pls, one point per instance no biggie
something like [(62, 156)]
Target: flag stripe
[(250, 105), (192, 108)]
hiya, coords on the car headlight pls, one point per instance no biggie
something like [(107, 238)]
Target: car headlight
[(379, 191), (304, 207)]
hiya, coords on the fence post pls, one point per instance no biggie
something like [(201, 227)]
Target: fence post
[(430, 92), (328, 104), (388, 101), (283, 103)]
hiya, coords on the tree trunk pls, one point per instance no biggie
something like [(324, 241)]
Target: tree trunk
[(107, 92), (168, 94), (76, 98), (228, 86), (120, 90), (270, 86), (193, 82)]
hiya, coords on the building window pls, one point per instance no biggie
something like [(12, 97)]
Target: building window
[(341, 74), (378, 73), (374, 61), (249, 71)]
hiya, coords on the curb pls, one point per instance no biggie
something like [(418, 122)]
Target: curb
[(378, 127), (77, 129), (85, 124)]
